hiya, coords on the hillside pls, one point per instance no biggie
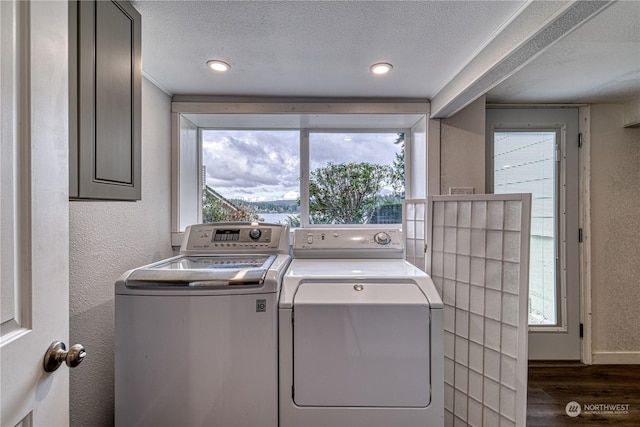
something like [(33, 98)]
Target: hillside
[(273, 206)]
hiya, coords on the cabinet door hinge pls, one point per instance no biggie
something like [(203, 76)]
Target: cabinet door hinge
[(579, 140), (579, 235), (581, 330)]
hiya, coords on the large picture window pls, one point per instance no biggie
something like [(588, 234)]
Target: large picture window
[(303, 177)]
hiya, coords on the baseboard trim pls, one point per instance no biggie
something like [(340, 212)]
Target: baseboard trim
[(616, 357), (556, 364)]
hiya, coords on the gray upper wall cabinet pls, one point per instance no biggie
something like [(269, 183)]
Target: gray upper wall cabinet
[(105, 101)]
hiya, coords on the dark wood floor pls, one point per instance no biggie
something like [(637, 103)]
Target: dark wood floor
[(553, 385)]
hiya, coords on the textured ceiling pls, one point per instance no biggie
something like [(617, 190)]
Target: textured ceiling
[(325, 48), (598, 62)]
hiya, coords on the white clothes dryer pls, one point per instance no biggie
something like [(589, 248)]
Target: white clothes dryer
[(196, 334), (360, 335)]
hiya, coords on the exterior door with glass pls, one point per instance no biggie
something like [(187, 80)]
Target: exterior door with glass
[(536, 151)]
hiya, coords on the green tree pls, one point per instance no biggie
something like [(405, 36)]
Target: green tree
[(346, 193), (293, 220), (215, 210), (244, 213)]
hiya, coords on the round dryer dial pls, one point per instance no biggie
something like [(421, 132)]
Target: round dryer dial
[(255, 233), (382, 238)]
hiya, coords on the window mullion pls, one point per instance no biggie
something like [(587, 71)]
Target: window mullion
[(304, 178), (202, 180)]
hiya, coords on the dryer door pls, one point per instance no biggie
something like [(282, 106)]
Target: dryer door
[(361, 345)]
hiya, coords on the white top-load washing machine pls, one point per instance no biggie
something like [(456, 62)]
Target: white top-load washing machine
[(361, 340), (196, 334)]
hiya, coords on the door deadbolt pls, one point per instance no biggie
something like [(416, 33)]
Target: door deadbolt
[(57, 353)]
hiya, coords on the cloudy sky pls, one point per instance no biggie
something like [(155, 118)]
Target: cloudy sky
[(265, 165)]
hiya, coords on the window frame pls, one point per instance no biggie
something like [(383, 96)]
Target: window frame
[(190, 113)]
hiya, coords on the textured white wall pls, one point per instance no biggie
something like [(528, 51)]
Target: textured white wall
[(615, 222), (106, 239), (462, 150)]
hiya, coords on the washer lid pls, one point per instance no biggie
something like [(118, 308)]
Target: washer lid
[(203, 271)]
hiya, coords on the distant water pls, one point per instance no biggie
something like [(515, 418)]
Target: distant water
[(275, 218)]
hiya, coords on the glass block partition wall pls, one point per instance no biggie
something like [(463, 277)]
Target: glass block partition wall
[(478, 257)]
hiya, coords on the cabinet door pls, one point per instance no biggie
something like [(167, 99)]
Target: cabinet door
[(109, 101)]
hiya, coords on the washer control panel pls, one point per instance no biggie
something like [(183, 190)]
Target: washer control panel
[(348, 243), (234, 237)]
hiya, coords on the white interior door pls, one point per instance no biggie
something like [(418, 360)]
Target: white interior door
[(34, 232), (536, 151)]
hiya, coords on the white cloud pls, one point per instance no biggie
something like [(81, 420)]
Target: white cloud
[(290, 195)]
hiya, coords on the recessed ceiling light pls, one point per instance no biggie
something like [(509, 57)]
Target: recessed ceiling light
[(219, 66), (381, 68)]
